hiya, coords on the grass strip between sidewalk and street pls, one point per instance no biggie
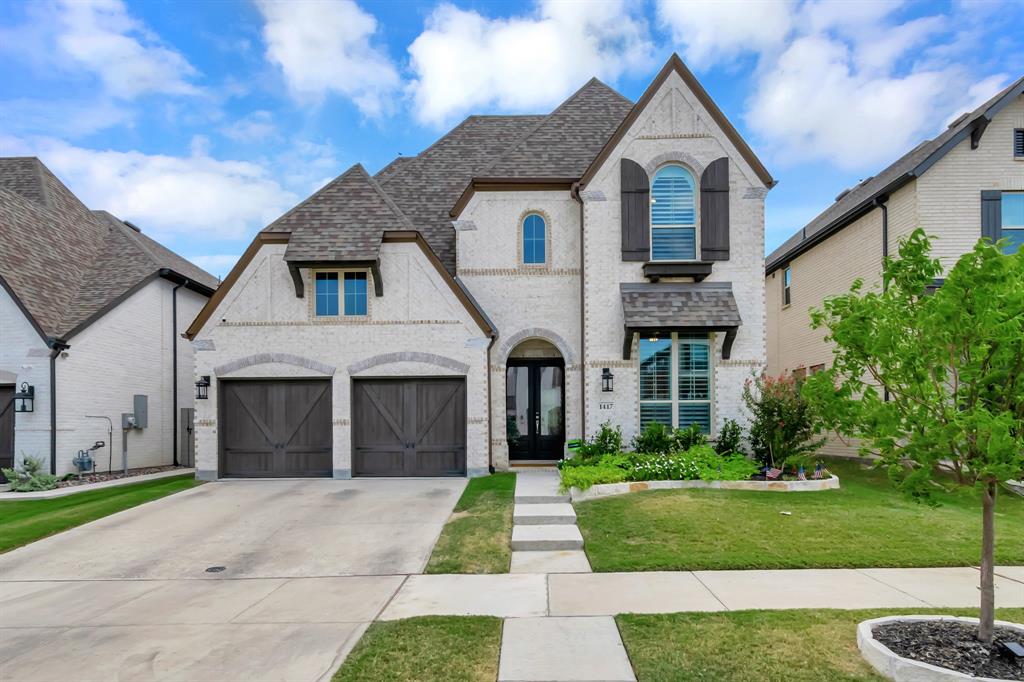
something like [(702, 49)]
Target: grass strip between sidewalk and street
[(448, 648), (865, 523), (478, 536), (25, 521)]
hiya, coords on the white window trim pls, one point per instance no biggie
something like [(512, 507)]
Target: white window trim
[(674, 400), (341, 316), (696, 216)]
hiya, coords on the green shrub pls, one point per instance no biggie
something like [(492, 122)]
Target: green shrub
[(730, 439), (700, 462), (690, 437), (583, 477), (655, 439), (678, 467), (783, 425), (607, 440), (29, 476)]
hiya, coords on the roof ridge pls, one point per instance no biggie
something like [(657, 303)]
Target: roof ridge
[(116, 223), (387, 199), (310, 198)]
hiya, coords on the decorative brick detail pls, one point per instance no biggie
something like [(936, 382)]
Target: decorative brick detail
[(758, 193), (521, 271), (268, 358), (677, 156), (408, 356), (206, 422), (536, 333), (593, 195), (463, 225)]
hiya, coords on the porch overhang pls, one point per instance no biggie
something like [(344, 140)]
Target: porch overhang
[(685, 307)]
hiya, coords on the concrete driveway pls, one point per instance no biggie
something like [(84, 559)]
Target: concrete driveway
[(305, 566)]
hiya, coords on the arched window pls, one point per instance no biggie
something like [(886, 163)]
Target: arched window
[(534, 240), (673, 215)]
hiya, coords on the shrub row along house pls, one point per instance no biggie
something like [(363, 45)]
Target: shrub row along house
[(524, 279), (91, 314), (964, 184)]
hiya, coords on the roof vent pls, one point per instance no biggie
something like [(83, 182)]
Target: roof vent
[(132, 225), (865, 181), (842, 194), (959, 119)]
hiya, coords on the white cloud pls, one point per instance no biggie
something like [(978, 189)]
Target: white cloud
[(713, 30), (196, 196), (325, 47), (50, 116), (256, 126), (465, 61)]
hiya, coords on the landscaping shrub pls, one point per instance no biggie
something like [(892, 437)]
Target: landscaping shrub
[(730, 439), (687, 438), (30, 477), (783, 425), (607, 441), (699, 462), (655, 439), (606, 469)]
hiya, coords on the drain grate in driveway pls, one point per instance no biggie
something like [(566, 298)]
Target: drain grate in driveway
[(215, 569)]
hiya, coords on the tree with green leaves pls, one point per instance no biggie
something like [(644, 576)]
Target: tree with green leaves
[(929, 376)]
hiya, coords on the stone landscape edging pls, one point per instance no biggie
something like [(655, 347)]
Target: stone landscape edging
[(895, 667), (609, 489)]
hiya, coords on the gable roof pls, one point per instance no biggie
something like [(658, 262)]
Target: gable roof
[(66, 265), (855, 202), (675, 64)]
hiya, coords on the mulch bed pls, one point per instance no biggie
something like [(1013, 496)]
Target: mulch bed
[(112, 475), (951, 645)]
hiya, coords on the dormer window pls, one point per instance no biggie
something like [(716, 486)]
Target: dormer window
[(340, 293), (673, 215)]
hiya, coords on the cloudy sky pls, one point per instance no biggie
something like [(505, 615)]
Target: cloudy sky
[(202, 122)]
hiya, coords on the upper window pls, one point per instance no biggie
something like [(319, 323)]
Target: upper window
[(329, 299), (1013, 221), (787, 280), (675, 381), (1018, 143), (673, 215), (534, 240)]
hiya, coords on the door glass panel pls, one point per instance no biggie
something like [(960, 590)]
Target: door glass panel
[(517, 403), (550, 401)]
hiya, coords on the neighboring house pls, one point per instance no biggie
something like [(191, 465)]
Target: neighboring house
[(521, 281), (965, 184), (91, 311)]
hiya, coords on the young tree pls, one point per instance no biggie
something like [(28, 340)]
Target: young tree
[(932, 379)]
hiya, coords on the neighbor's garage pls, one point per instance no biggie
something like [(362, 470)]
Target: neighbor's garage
[(409, 427), (275, 428)]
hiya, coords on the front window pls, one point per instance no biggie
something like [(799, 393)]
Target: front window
[(675, 380), (787, 280), (331, 300), (355, 293), (1013, 221), (326, 293), (673, 215), (534, 240)]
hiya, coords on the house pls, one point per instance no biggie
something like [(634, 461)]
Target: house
[(966, 183), (522, 280), (91, 311)]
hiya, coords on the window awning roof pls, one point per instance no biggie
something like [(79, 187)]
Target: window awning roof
[(694, 307)]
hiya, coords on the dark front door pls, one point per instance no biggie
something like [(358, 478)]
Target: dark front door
[(534, 408), (6, 428), (409, 427), (276, 428)]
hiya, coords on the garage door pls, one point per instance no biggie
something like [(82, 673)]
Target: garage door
[(409, 427), (276, 428)]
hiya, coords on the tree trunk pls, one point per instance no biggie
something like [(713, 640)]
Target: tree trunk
[(988, 547)]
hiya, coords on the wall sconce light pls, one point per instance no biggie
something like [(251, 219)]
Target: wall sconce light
[(24, 400), (607, 380), (203, 388)]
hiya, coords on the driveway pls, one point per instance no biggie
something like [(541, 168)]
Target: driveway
[(299, 568)]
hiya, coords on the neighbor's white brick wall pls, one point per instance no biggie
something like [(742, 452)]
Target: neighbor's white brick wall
[(24, 357), (418, 313)]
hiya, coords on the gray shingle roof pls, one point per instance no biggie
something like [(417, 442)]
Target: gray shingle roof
[(65, 263), (679, 305), (848, 206)]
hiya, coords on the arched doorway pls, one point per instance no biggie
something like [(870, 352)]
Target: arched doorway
[(535, 401)]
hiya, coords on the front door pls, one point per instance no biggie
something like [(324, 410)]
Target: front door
[(534, 408)]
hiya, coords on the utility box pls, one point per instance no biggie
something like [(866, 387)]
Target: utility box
[(141, 411)]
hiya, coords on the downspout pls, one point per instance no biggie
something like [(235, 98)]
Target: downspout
[(881, 202), (490, 425), (56, 348), (174, 370), (575, 194)]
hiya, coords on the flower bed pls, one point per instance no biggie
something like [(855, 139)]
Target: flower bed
[(609, 489)]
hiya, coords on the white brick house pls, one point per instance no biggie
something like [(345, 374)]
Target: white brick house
[(91, 314), (514, 285)]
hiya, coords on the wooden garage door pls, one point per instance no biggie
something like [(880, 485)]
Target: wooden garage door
[(409, 427), (276, 428)]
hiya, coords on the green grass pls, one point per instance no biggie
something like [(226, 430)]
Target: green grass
[(757, 646), (478, 536), (865, 523), (443, 648), (25, 521)]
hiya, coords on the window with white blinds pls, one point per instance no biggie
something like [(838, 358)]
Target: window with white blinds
[(673, 215), (675, 380)]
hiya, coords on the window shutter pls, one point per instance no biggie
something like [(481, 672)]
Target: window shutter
[(1018, 143), (636, 212), (991, 214), (714, 211)]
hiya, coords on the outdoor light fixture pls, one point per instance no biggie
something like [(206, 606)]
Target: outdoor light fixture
[(203, 388), (24, 400), (607, 380)]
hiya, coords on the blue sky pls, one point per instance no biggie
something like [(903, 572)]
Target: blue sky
[(202, 122)]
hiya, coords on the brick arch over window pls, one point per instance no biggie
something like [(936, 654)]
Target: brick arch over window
[(270, 358), (677, 157), (536, 333), (408, 356)]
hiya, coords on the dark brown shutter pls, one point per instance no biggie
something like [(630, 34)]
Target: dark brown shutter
[(991, 214), (636, 212), (714, 211)]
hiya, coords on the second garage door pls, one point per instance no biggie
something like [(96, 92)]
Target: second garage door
[(409, 427)]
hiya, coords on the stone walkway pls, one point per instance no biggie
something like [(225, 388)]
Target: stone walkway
[(545, 538)]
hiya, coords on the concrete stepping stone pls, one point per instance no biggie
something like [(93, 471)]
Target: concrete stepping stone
[(565, 561), (538, 487), (546, 538), (557, 649), (544, 514)]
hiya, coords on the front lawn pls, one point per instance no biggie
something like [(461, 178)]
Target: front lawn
[(25, 521), (478, 536), (448, 648), (865, 523), (757, 646)]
